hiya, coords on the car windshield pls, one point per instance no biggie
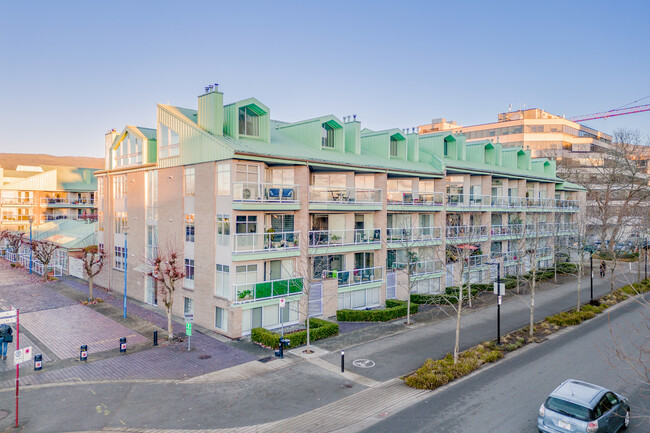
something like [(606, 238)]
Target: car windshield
[(568, 408)]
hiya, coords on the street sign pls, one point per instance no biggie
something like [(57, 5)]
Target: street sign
[(189, 318), (7, 317), (27, 354), (501, 290), (188, 329), (18, 357), (500, 299), (282, 302)]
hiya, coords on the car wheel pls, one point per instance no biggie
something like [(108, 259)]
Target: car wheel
[(626, 421)]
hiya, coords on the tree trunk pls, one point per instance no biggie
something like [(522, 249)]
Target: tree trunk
[(170, 332), (611, 276), (458, 311), (469, 283), (579, 285), (555, 268), (308, 348), (531, 331), (408, 297), (90, 287)]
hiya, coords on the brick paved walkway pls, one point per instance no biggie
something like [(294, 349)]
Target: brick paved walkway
[(64, 329), (28, 297), (8, 364)]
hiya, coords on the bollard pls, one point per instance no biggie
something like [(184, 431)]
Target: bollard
[(342, 361), (83, 353), (123, 344), (38, 362), (155, 338)]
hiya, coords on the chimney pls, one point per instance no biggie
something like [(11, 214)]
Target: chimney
[(210, 115), (109, 138)]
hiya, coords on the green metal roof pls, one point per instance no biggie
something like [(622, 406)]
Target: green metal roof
[(68, 234), (150, 133)]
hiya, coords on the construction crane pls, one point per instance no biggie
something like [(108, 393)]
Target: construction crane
[(612, 113)]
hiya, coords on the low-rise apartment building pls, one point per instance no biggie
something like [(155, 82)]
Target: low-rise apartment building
[(263, 210)]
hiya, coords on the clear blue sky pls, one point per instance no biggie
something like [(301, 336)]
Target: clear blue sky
[(69, 71)]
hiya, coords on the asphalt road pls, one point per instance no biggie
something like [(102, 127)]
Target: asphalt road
[(505, 398)]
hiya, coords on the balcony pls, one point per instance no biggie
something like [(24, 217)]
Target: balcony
[(264, 196), (251, 292), (544, 253), (357, 277), (87, 217), (17, 201), (540, 229), (564, 229), (508, 256), (566, 205), (479, 260), (414, 236), (507, 204), (341, 198), (414, 201), (67, 202), (505, 232), (17, 219), (340, 241), (265, 245), (421, 268), (466, 233), (468, 202)]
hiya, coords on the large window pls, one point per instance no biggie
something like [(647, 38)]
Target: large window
[(151, 199), (128, 152), (327, 263), (393, 147), (152, 242), (188, 306), (223, 229), (189, 274), (189, 228), (246, 224), (221, 319), (169, 143), (282, 223), (327, 137), (189, 182), (119, 187), (120, 258), (249, 122), (223, 179), (120, 222), (222, 286)]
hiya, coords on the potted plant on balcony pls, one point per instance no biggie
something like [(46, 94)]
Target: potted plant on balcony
[(270, 239), (335, 239), (244, 295)]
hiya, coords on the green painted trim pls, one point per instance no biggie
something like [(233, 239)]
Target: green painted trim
[(238, 205), (344, 248), (348, 207), (362, 286), (264, 302), (427, 276), (243, 257)]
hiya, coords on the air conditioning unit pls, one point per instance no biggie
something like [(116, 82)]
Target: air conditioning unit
[(246, 194)]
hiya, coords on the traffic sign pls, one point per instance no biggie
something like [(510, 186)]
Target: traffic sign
[(27, 354), (8, 317), (189, 318), (282, 302), (500, 290), (188, 329), (18, 356)]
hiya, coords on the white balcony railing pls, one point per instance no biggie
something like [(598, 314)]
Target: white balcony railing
[(424, 267), (415, 198), (254, 192), (500, 201), (466, 233), (265, 242), (342, 195), (468, 200), (337, 238), (506, 230), (413, 234), (357, 276), (478, 260)]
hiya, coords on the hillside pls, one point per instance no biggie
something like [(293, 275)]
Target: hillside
[(11, 160)]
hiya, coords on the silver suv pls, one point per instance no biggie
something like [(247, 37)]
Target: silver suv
[(580, 407)]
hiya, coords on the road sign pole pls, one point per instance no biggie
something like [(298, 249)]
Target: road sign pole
[(17, 365)]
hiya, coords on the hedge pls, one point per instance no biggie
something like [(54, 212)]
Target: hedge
[(318, 329), (450, 296), (394, 309)]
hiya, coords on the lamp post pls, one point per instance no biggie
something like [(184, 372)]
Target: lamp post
[(31, 221), (126, 256), (498, 293), (591, 264), (645, 257)]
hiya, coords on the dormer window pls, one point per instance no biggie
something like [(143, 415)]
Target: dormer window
[(129, 151), (393, 147), (249, 122), (327, 138)]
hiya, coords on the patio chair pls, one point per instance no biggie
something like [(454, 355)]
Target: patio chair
[(274, 193), (287, 194)]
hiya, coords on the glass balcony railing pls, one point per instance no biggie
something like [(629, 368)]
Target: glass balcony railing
[(506, 230), (414, 234), (265, 242), (424, 267), (508, 201), (53, 217), (264, 192), (357, 276), (478, 260), (507, 256), (415, 198), (337, 238), (466, 233), (71, 201), (249, 292), (468, 200), (17, 201), (342, 195)]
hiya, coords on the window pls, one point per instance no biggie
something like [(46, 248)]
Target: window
[(169, 142), (189, 182), (281, 176), (119, 187), (221, 319), (246, 224), (393, 147), (152, 242), (128, 152), (100, 191), (120, 222), (223, 179), (222, 286), (100, 221), (282, 223), (327, 137), (120, 258), (249, 122), (151, 199), (189, 272), (189, 228), (151, 295), (327, 263), (188, 306), (223, 229)]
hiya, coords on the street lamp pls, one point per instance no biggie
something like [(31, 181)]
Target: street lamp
[(591, 263), (31, 221), (126, 256), (498, 292)]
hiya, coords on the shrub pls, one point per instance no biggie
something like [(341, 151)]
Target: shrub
[(491, 356), (570, 318), (318, 329), (393, 310)]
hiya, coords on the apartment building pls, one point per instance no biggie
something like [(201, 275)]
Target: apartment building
[(42, 193), (263, 210)]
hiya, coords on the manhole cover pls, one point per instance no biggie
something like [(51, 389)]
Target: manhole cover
[(205, 356), (363, 363), (3, 413)]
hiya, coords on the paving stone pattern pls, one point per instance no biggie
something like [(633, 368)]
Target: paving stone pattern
[(8, 364), (65, 329), (29, 297)]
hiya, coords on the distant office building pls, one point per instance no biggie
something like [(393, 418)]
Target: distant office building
[(45, 193)]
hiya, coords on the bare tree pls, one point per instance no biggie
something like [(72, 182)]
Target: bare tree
[(534, 245), (578, 245), (168, 268), (93, 262), (43, 252), (15, 241)]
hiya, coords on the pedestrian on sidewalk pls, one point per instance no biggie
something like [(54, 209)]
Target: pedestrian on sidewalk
[(603, 269), (5, 338)]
